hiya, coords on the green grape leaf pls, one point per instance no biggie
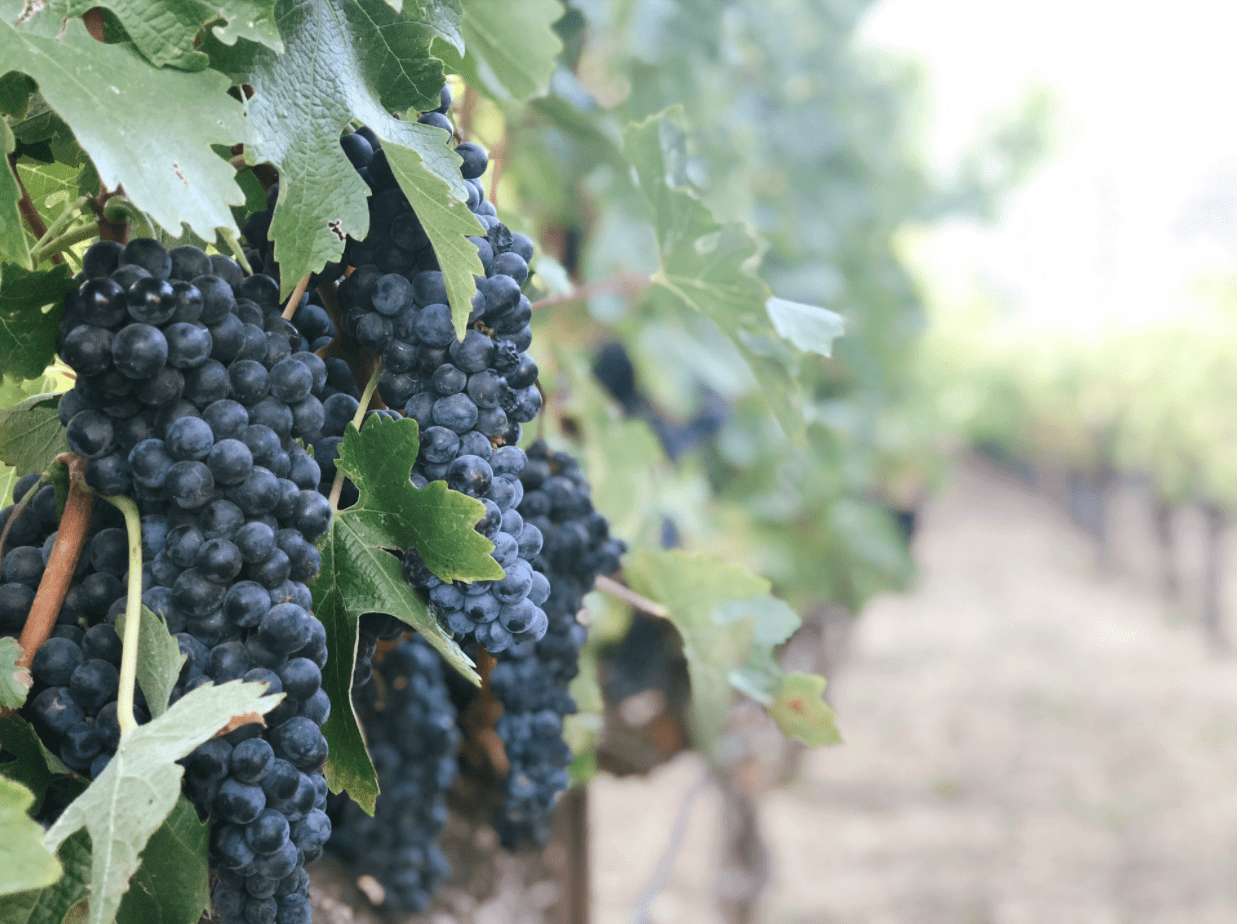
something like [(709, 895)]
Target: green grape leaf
[(172, 886), (342, 61), (448, 223), (446, 19), (27, 332), (24, 862), (58, 477), (173, 116), (773, 621), (165, 31), (391, 513), (14, 248), (498, 62), (31, 435), (51, 186), (809, 327), (51, 905), (360, 576), (159, 660), (34, 766), (15, 90), (41, 131), (710, 268), (692, 587), (15, 679), (8, 478), (801, 713), (139, 788)]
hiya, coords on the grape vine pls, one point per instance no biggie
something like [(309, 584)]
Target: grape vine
[(299, 432)]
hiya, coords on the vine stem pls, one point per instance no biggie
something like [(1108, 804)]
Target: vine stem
[(62, 221), (338, 486), (64, 241), (622, 284), (61, 563), (665, 863), (630, 597), (125, 211), (295, 300), (133, 615), (18, 509)]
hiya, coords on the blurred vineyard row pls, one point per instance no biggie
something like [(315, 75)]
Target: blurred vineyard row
[(1153, 401)]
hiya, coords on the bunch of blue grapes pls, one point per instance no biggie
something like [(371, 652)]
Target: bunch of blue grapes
[(531, 679), (469, 397), (410, 725), (191, 397)]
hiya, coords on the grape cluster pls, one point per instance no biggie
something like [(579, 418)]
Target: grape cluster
[(469, 397), (530, 679), (72, 704), (410, 724), (191, 394)]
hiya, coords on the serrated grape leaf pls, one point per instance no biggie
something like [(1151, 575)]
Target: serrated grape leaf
[(159, 660), (391, 513), (692, 587), (792, 700), (801, 713), (171, 117), (448, 223), (172, 886), (15, 679), (52, 904), (359, 576), (164, 31), (342, 61), (710, 267), (31, 435), (446, 18), (140, 785), (503, 64), (809, 327), (27, 332), (33, 765), (14, 248), (24, 862)]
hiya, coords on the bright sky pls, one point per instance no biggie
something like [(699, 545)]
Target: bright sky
[(1138, 197)]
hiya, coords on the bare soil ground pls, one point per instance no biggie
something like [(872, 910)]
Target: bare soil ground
[(1028, 741)]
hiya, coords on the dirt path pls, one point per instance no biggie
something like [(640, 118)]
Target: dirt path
[(1027, 743)]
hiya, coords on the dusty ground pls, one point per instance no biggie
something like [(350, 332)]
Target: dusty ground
[(1027, 741)]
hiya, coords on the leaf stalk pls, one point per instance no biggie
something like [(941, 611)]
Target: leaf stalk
[(62, 221), (625, 594), (64, 241), (622, 284), (133, 615), (295, 300), (338, 486)]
